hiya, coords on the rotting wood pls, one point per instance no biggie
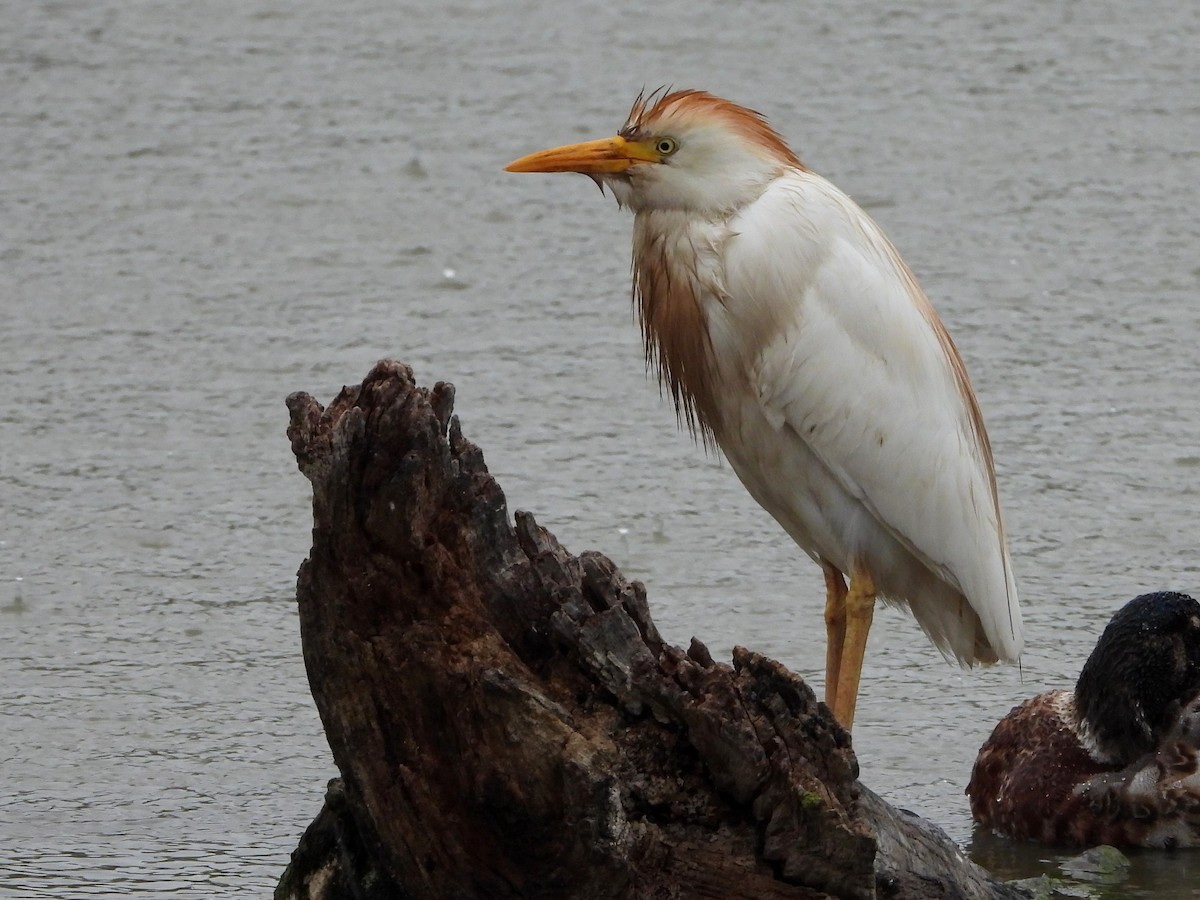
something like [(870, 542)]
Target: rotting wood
[(508, 722)]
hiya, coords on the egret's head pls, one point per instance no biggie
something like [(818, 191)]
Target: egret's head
[(1144, 670), (682, 150)]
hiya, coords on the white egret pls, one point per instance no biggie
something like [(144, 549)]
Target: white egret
[(790, 332)]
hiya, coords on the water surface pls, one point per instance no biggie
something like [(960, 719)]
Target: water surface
[(209, 205)]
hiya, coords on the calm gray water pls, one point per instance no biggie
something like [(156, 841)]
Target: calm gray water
[(206, 206)]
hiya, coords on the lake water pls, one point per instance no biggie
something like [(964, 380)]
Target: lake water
[(206, 206)]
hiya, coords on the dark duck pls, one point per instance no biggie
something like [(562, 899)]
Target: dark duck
[(1116, 760)]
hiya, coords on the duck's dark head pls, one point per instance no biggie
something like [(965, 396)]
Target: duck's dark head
[(1146, 665)]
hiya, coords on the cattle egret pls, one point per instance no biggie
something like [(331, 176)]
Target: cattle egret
[(789, 331)]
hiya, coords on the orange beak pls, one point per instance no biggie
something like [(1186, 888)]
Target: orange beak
[(607, 156)]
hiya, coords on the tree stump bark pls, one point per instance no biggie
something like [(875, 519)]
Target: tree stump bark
[(508, 722)]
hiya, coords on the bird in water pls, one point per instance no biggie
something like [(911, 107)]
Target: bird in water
[(790, 333), (1116, 760)]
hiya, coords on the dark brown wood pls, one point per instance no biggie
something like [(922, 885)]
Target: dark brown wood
[(508, 722)]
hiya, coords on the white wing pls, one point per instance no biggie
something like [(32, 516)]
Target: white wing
[(847, 355)]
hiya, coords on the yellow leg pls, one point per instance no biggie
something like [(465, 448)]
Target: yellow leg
[(860, 609), (835, 629)]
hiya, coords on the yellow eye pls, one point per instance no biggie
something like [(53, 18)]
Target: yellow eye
[(665, 146)]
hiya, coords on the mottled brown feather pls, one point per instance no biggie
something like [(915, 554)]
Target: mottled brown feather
[(1026, 771), (1035, 780)]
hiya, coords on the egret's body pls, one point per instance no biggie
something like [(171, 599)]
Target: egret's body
[(790, 332)]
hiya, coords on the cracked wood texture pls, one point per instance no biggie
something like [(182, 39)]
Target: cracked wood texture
[(507, 721)]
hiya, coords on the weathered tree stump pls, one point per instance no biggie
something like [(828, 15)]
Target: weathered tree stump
[(507, 721)]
